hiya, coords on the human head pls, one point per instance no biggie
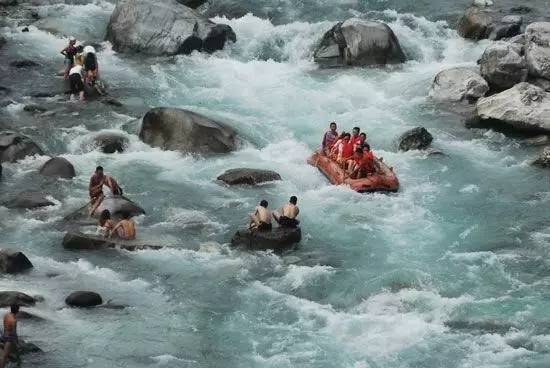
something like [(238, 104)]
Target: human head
[(366, 147), (347, 137), (358, 152), (356, 131), (105, 215), (14, 308), (99, 170), (125, 215), (264, 203), (72, 41), (333, 126), (293, 200), (342, 135), (363, 137)]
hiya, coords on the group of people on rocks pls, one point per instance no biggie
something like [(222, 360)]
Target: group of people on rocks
[(125, 229), (286, 217), (81, 67), (350, 151)]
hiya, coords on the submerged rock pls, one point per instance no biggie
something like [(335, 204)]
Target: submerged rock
[(12, 261), (58, 167), (8, 298), (186, 131), (278, 239), (248, 176), (524, 107), (80, 241), (503, 66), (14, 147), (164, 28), (537, 51), (35, 109), (111, 142), (415, 139), (358, 42), (29, 200), (24, 64), (461, 84), (544, 159), (84, 299)]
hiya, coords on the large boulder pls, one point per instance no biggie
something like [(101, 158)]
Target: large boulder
[(278, 239), (12, 261), (476, 23), (8, 298), (248, 176), (524, 107), (164, 28), (537, 50), (29, 200), (508, 26), (415, 139), (58, 167), (111, 142), (503, 66), (84, 299), (186, 131), (544, 159), (80, 241), (358, 42), (14, 147), (117, 205), (461, 84)]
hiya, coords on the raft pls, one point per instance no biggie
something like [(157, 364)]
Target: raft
[(384, 180)]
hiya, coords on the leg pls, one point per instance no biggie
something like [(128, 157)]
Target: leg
[(6, 354), (96, 203)]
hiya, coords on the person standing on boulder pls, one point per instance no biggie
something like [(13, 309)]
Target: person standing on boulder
[(69, 52), (95, 189), (9, 337), (287, 215), (260, 220)]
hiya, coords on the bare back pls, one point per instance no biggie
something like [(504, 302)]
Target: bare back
[(10, 325), (291, 211)]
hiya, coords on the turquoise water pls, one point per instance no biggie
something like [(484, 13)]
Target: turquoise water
[(452, 271)]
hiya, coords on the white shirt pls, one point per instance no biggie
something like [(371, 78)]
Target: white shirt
[(77, 69)]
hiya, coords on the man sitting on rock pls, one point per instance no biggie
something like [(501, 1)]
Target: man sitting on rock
[(125, 229), (97, 181), (287, 216), (9, 337), (260, 220)]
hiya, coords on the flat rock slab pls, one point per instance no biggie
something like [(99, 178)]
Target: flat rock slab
[(248, 176), (277, 239), (80, 241)]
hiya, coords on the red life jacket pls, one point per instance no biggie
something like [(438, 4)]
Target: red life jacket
[(346, 150)]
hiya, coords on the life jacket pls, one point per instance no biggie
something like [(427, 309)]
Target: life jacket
[(346, 150), (355, 140), (368, 161)]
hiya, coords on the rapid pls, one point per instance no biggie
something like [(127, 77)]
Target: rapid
[(451, 271)]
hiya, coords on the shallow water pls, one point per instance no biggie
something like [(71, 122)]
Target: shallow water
[(451, 271)]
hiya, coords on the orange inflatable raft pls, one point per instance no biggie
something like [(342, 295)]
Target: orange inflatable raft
[(384, 180)]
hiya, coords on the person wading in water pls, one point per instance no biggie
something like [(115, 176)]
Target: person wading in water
[(9, 337), (97, 181)]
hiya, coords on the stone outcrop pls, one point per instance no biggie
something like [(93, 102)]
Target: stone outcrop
[(278, 239), (12, 261), (111, 142), (503, 66), (58, 167), (415, 139), (14, 147), (461, 84), (248, 176), (544, 159), (480, 22), (8, 298), (537, 51)]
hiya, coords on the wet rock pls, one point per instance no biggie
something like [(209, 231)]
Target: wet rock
[(43, 94), (476, 23), (193, 4), (461, 84), (503, 66), (8, 298), (358, 42), (509, 26), (248, 176), (23, 315), (537, 52), (29, 200), (80, 241), (3, 41), (112, 102), (278, 239), (415, 139), (539, 140), (58, 167), (522, 9), (83, 299), (33, 108), (14, 147), (8, 2), (544, 159), (541, 83), (164, 28), (111, 142), (116, 205), (186, 131), (524, 107), (23, 348), (24, 64), (12, 261), (25, 30)]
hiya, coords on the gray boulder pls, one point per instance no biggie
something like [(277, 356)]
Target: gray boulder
[(248, 176), (80, 241), (186, 131), (278, 239), (29, 200), (476, 23), (509, 26), (358, 42), (524, 107), (544, 159), (461, 84), (14, 147), (503, 66), (540, 82), (164, 28), (193, 4), (111, 142), (415, 139), (83, 299), (537, 50), (12, 261), (58, 167), (117, 205), (8, 298)]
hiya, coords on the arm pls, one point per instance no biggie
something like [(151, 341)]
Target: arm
[(113, 232)]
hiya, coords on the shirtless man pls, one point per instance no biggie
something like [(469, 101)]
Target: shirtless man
[(125, 229), (9, 337), (261, 218), (97, 181), (288, 214)]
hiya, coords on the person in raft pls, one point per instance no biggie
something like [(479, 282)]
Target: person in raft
[(76, 82), (342, 152), (355, 138), (329, 139), (69, 52), (362, 164), (95, 189), (105, 225), (260, 220), (287, 216), (9, 337), (125, 229)]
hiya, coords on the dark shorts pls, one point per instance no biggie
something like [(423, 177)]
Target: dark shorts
[(264, 226), (77, 85), (288, 222)]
